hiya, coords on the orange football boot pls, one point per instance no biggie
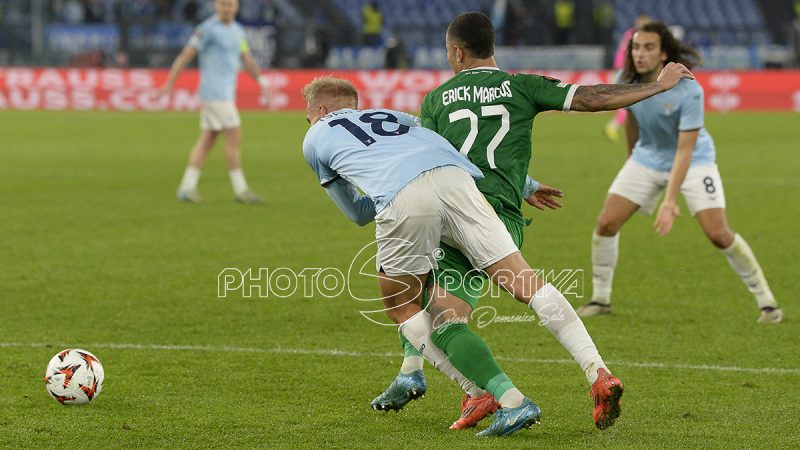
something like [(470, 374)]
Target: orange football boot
[(607, 395), (474, 409)]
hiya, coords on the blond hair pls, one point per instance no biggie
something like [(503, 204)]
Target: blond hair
[(331, 91)]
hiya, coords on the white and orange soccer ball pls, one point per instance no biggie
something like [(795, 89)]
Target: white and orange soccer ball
[(74, 377)]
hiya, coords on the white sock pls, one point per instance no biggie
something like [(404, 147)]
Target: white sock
[(237, 181), (744, 262), (418, 331), (604, 260), (190, 178), (512, 398), (411, 364), (557, 315)]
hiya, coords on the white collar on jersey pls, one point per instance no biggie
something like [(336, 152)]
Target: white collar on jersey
[(481, 68)]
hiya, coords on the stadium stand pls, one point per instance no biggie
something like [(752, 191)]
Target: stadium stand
[(304, 34), (707, 22)]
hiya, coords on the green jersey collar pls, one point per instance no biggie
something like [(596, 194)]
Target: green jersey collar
[(480, 68)]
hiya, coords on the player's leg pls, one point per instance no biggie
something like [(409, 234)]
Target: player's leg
[(472, 226), (412, 358), (456, 273), (605, 252), (472, 357), (410, 383), (232, 149), (457, 293), (705, 198), (396, 395), (401, 299), (452, 266), (407, 231), (187, 191), (401, 295), (556, 314), (232, 132), (635, 187)]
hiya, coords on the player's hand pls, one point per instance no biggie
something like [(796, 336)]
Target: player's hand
[(667, 213), (545, 196), (672, 74)]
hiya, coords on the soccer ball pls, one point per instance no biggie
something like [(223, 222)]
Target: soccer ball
[(74, 376)]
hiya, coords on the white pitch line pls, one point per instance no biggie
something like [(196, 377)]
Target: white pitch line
[(337, 352)]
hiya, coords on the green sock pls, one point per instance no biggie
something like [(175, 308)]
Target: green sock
[(499, 385), (472, 357), (408, 349)]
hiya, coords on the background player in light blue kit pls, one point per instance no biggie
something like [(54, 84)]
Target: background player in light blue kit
[(669, 149), (220, 43)]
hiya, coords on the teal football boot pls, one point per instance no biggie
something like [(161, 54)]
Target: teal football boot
[(404, 388), (510, 420)]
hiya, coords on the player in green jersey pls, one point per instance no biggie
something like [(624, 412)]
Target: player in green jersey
[(488, 115)]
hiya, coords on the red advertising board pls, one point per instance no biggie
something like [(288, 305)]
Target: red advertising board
[(133, 89)]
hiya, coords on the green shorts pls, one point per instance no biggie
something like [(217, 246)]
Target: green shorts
[(456, 274)]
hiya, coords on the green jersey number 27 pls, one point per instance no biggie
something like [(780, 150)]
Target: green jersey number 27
[(486, 111)]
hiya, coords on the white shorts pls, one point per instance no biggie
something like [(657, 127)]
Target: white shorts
[(218, 116), (442, 204), (702, 187)]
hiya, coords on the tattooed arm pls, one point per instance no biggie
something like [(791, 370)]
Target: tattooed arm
[(605, 97)]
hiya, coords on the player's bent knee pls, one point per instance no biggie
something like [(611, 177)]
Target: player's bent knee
[(607, 227), (399, 315), (721, 238), (401, 309)]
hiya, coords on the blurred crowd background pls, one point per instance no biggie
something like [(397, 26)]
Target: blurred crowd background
[(340, 34)]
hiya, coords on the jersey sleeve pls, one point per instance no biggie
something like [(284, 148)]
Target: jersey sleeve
[(199, 39), (324, 173), (359, 208), (530, 187), (244, 47), (692, 109), (549, 94), (426, 115)]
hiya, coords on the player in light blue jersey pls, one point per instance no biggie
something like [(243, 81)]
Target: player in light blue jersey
[(420, 190), (669, 150), (220, 44), (341, 149)]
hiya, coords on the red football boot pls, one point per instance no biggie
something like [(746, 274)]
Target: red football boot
[(473, 410), (607, 395)]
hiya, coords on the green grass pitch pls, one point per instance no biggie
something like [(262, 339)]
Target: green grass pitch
[(97, 253)]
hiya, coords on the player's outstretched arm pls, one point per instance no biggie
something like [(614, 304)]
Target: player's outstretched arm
[(631, 131), (669, 210), (606, 97), (251, 67), (360, 209), (184, 58)]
